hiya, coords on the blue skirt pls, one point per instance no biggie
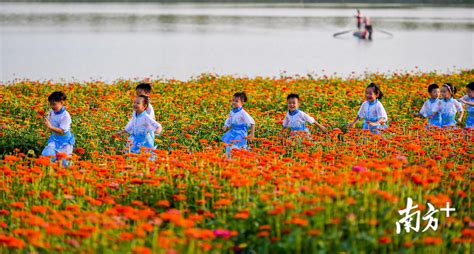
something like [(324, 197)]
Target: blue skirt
[(61, 140), (435, 121), (302, 128), (236, 136), (374, 129), (447, 120), (141, 140), (470, 120)]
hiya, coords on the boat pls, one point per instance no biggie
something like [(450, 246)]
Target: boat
[(359, 34)]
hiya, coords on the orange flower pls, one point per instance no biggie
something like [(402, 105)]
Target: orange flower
[(11, 158), (432, 240), (80, 151), (385, 240), (61, 156), (125, 236), (38, 209), (164, 203), (12, 242), (468, 233), (18, 205), (54, 230), (141, 250), (179, 197), (314, 232), (242, 215), (222, 202)]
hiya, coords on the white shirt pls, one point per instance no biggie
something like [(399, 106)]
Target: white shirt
[(469, 99), (149, 110), (375, 111), (297, 120), (141, 124), (241, 117), (62, 121), (429, 108), (450, 107)]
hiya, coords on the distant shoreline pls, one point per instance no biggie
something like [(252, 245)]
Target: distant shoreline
[(315, 3)]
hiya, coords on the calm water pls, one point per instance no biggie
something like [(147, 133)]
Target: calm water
[(110, 41)]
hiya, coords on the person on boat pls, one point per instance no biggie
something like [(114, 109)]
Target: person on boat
[(368, 28), (359, 18)]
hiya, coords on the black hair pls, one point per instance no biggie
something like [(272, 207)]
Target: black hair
[(376, 90), (292, 95), (146, 100), (242, 96), (451, 88), (144, 86), (57, 96), (432, 87), (470, 86)]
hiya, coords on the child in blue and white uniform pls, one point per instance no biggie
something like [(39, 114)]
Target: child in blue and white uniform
[(58, 122), (296, 119), (468, 100), (430, 107), (449, 107), (372, 111), (239, 121), (142, 126), (145, 89)]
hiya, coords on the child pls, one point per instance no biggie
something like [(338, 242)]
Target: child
[(142, 126), (145, 89), (468, 100), (449, 107), (59, 122), (430, 107), (296, 119), (238, 121), (372, 111)]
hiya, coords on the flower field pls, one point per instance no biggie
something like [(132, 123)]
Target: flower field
[(336, 192)]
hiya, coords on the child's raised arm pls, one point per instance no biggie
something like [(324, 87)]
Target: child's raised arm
[(128, 128), (354, 122), (321, 127), (467, 102), (251, 135), (249, 121), (460, 109), (286, 121), (379, 121), (460, 117), (159, 130), (52, 128), (154, 124), (227, 123), (312, 121), (423, 111), (358, 116)]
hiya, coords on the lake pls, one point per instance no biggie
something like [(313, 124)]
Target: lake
[(109, 41)]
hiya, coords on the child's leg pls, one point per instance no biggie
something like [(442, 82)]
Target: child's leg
[(67, 149), (50, 151), (469, 122), (229, 148), (152, 156)]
